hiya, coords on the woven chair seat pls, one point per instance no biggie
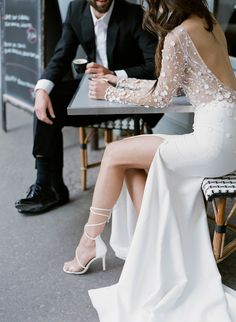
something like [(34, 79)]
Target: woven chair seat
[(219, 187)]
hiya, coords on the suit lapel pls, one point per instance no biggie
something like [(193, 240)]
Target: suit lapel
[(87, 30), (112, 33)]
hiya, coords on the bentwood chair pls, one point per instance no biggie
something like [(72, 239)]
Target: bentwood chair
[(221, 192)]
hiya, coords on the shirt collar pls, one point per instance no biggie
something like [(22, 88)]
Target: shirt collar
[(106, 17)]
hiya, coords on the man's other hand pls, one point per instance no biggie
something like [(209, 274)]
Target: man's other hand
[(43, 106), (96, 69)]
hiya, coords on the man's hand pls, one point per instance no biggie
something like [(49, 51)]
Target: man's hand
[(97, 70), (43, 105)]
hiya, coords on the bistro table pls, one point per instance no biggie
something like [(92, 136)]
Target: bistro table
[(81, 104)]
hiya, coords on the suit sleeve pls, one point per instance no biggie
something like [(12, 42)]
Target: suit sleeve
[(64, 53), (147, 44)]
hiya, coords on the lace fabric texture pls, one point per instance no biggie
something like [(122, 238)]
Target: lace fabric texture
[(182, 66)]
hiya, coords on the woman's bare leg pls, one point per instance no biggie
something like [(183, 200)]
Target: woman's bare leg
[(135, 180), (119, 157)]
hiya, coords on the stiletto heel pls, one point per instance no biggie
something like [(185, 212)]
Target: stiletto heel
[(101, 248)]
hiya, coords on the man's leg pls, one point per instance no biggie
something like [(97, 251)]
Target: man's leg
[(49, 189)]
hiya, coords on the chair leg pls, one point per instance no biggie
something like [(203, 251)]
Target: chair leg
[(83, 157), (220, 229), (148, 129), (108, 136), (94, 141)]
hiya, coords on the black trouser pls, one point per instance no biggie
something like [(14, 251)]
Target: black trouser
[(48, 140)]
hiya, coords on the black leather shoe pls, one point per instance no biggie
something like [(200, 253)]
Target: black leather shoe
[(42, 199)]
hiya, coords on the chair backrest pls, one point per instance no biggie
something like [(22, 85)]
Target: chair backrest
[(120, 124)]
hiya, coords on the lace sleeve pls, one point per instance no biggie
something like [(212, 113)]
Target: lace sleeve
[(134, 83), (136, 91)]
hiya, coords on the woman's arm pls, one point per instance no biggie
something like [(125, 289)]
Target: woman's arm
[(134, 83), (171, 77)]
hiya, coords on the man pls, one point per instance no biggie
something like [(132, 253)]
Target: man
[(110, 32)]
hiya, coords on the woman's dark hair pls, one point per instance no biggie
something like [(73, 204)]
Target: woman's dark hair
[(162, 16)]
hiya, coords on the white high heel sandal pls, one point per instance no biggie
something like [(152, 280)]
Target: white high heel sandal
[(101, 248)]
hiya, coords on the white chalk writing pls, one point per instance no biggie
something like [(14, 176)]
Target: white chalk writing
[(18, 81)]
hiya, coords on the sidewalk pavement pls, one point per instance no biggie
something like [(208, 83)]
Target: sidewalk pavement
[(33, 286)]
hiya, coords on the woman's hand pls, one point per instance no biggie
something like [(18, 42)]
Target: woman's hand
[(97, 88), (112, 79)]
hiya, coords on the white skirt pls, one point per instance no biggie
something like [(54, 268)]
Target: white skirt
[(170, 274)]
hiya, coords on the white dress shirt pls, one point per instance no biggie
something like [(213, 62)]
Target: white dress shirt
[(100, 30)]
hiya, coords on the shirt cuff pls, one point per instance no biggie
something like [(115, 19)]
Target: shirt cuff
[(121, 74), (44, 84)]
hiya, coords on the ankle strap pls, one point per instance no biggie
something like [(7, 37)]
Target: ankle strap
[(94, 211)]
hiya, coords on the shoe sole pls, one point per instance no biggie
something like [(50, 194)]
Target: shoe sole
[(43, 209)]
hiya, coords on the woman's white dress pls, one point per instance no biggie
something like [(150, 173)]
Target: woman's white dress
[(170, 274)]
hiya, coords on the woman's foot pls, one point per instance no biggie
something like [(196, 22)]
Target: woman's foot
[(85, 252), (91, 245)]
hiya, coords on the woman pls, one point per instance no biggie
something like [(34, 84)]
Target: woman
[(170, 274)]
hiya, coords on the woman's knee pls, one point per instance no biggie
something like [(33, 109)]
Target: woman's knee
[(112, 154)]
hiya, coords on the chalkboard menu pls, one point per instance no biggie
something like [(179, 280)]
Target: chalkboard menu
[(21, 48), (30, 31)]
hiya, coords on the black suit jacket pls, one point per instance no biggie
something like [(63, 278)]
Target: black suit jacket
[(129, 47)]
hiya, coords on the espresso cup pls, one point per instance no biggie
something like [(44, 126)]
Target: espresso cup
[(80, 65)]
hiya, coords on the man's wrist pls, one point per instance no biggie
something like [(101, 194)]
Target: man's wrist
[(44, 84), (121, 73), (40, 90)]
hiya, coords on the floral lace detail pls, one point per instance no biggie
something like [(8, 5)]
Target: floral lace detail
[(182, 66), (202, 85), (134, 83)]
